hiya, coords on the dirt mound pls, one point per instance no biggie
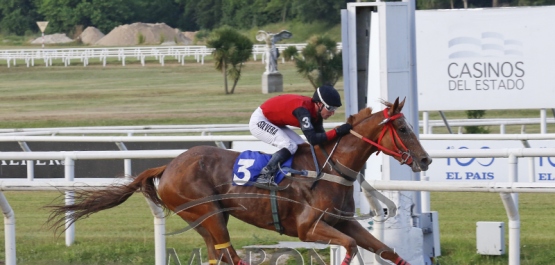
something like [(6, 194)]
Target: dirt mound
[(91, 35), (190, 34), (143, 33), (52, 38)]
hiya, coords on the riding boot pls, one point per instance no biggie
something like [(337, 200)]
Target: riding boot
[(267, 173)]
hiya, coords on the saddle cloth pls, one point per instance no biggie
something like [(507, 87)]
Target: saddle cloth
[(248, 165)]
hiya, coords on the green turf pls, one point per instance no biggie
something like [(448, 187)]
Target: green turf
[(124, 235)]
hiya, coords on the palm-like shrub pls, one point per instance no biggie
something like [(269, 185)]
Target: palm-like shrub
[(290, 52), (320, 62), (232, 49)]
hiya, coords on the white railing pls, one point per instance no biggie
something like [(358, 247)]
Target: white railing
[(504, 188), (428, 125), (140, 53), (209, 129), (85, 55)]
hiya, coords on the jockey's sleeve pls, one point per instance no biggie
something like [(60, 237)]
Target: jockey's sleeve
[(315, 133)]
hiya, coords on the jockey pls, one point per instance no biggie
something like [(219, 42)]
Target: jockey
[(269, 123)]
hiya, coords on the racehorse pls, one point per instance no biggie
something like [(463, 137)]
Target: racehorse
[(196, 185)]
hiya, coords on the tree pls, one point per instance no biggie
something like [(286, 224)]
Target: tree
[(208, 13), (232, 49), (283, 7), (319, 10), (320, 62), (157, 11), (18, 16), (64, 15)]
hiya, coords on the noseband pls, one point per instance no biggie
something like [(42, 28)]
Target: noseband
[(404, 156)]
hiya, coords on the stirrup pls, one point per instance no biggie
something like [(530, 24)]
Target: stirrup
[(266, 179)]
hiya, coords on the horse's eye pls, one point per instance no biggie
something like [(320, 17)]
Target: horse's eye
[(403, 129)]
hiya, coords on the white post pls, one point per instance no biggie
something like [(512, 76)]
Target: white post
[(69, 172), (126, 162), (390, 41), (159, 231), (30, 163), (425, 122), (30, 169), (513, 175), (514, 228), (9, 230), (543, 118), (425, 202)]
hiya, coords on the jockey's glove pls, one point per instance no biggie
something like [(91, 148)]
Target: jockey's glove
[(343, 129)]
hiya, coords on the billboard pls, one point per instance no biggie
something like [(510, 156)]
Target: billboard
[(494, 58), (488, 169)]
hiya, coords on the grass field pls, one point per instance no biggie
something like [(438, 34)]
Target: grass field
[(124, 235), (135, 95), (193, 94)]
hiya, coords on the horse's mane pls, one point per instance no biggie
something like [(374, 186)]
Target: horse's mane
[(386, 103), (366, 112)]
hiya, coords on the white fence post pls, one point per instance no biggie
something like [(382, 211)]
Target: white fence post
[(9, 230), (69, 172)]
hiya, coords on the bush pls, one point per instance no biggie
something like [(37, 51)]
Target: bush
[(290, 52), (140, 38)]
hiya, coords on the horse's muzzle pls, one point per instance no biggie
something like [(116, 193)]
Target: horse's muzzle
[(421, 164)]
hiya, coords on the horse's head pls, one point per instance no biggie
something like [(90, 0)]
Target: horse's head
[(390, 133)]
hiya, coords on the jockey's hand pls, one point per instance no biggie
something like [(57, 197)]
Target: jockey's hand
[(343, 129)]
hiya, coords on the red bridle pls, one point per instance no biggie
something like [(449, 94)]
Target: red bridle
[(404, 156)]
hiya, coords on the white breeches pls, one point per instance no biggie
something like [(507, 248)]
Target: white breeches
[(281, 137)]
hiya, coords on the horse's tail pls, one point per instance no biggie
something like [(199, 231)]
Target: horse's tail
[(88, 202)]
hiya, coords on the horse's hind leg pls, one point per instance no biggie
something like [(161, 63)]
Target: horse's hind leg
[(215, 234), (209, 241)]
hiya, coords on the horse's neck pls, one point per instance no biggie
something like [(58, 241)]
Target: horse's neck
[(350, 152)]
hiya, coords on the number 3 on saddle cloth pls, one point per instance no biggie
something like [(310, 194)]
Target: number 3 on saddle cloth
[(248, 165)]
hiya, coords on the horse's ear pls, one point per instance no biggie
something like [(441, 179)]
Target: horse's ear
[(393, 109), (402, 103)]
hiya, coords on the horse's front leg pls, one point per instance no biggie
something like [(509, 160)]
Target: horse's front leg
[(367, 241), (321, 232)]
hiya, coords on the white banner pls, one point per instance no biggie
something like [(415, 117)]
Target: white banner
[(488, 169), (479, 59)]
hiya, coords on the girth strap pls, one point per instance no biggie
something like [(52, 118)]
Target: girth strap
[(275, 213), (330, 178), (314, 175)]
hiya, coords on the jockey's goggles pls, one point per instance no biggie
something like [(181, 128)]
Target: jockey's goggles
[(330, 108)]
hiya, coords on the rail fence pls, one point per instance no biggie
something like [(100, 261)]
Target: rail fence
[(507, 190), (123, 54), (426, 125)]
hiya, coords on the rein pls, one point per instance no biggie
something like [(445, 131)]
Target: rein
[(404, 156)]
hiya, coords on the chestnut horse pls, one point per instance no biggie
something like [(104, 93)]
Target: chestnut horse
[(196, 185)]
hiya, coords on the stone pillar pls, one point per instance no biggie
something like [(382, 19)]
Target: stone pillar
[(272, 82)]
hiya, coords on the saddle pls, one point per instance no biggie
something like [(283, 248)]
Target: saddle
[(248, 164)]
